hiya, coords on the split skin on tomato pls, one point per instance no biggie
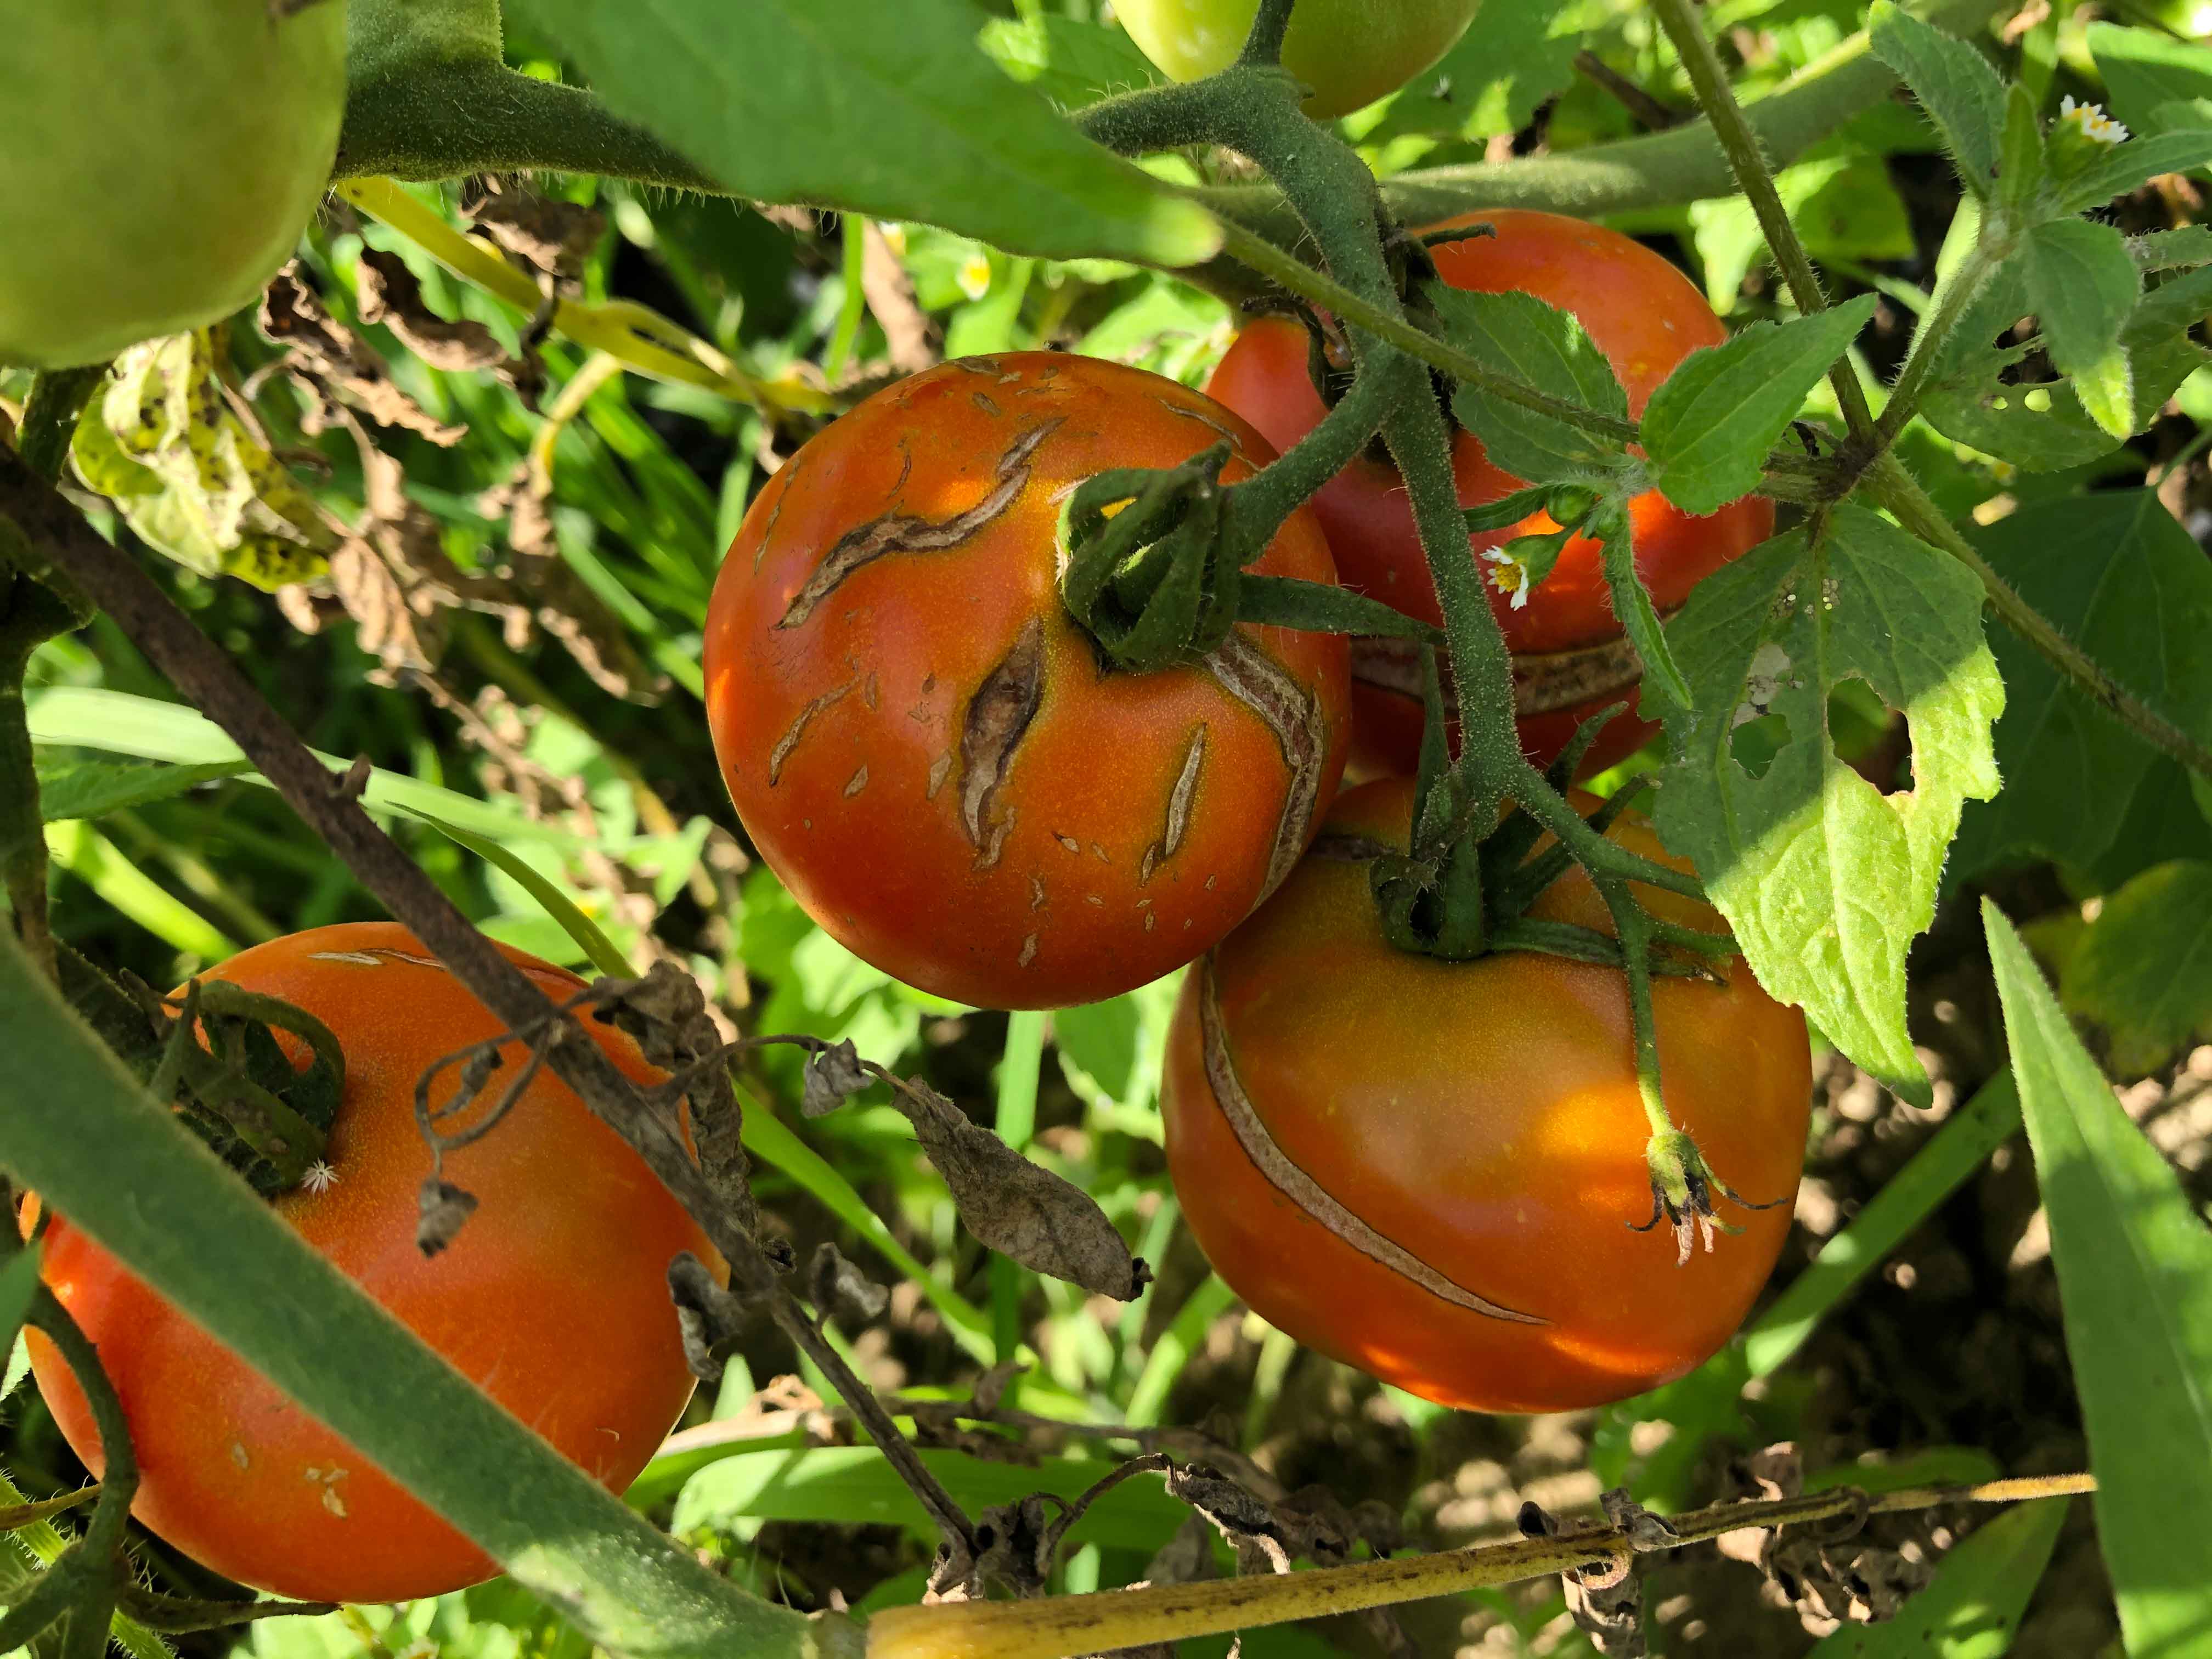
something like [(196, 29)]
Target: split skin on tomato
[(933, 755), (1428, 1170), (1570, 658), (1350, 51), (553, 1298)]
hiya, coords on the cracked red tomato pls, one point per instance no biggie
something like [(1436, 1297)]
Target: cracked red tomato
[(553, 1297), (1427, 1168), (930, 751), (1569, 660)]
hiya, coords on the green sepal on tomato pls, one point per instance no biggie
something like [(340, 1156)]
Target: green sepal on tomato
[(1570, 659), (1433, 1170), (553, 1297), (1351, 52)]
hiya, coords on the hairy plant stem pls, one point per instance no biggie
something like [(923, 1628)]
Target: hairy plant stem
[(1990, 250), (198, 668), (1748, 161), (1897, 489), (1114, 1619)]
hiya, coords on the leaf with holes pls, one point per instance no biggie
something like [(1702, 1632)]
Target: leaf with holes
[(1708, 429), (2082, 284), (2135, 593), (818, 101), (2143, 970), (1519, 335), (2135, 1275), (1826, 881)]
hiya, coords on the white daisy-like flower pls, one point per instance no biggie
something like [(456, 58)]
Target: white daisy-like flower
[(1509, 576), (319, 1178), (2095, 124)]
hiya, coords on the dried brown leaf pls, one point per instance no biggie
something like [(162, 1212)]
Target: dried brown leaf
[(332, 365), (1017, 1208)]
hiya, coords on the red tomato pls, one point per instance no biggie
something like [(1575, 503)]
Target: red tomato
[(1454, 1150), (553, 1298), (929, 751), (1646, 317)]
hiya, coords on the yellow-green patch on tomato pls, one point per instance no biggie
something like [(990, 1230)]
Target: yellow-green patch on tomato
[(1350, 51), (158, 162)]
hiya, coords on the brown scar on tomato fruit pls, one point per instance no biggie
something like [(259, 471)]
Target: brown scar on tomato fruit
[(903, 532), (1301, 1189), (857, 782), (998, 715), (375, 958), (1269, 691), (789, 740), (1236, 439), (1179, 799)]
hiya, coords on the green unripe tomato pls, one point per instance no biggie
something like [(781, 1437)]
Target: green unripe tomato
[(158, 161), (1349, 51)]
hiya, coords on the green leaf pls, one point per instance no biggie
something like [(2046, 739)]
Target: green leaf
[(123, 1169), (2082, 285), (2023, 158), (1975, 1602), (820, 101), (2135, 593), (1953, 83), (2135, 1278), (2129, 166), (18, 1283), (1793, 856), (855, 1485), (1102, 1038), (2173, 250), (1708, 429), (94, 788), (589, 939), (1519, 335), (2145, 70), (2143, 970), (1071, 63), (120, 723)]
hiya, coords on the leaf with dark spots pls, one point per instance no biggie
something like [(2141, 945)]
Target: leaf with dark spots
[(1016, 1208)]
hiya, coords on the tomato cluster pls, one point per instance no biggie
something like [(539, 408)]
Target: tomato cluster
[(1570, 658), (553, 1298), (1350, 52)]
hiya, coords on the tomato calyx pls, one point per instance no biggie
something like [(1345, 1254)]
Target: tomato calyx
[(213, 1050), (1683, 1186)]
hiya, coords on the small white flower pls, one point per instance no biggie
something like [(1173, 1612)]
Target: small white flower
[(319, 1178), (974, 276), (2095, 125), (1510, 576)]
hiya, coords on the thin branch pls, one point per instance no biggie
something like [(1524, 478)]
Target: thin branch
[(1065, 1625), (1748, 163)]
